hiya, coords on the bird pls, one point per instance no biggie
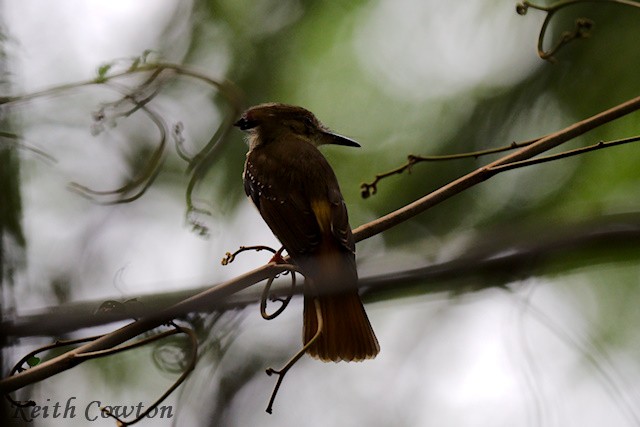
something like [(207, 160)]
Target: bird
[(297, 194)]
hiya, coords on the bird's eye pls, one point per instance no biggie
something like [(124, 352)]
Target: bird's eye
[(245, 124)]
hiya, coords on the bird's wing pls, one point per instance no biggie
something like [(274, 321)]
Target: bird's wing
[(286, 211), (340, 227), (299, 216)]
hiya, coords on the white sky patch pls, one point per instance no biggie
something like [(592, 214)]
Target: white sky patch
[(422, 49), (55, 42)]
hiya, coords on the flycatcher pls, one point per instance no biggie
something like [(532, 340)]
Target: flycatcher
[(298, 196)]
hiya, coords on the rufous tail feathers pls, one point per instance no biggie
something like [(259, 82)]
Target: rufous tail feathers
[(346, 332)]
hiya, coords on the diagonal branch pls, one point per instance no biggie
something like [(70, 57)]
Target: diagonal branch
[(513, 258), (371, 188), (196, 303), (520, 252), (203, 300), (484, 173)]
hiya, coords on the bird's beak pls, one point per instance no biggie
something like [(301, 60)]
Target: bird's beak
[(334, 138)]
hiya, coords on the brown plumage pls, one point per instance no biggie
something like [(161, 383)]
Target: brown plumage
[(298, 196)]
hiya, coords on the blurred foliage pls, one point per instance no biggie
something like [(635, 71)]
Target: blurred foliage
[(304, 53), (313, 57), (334, 59)]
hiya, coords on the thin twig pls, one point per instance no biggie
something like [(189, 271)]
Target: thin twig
[(176, 133), (199, 164), (201, 301), (482, 174), (518, 257), (282, 372), (527, 250), (565, 154), (18, 367), (226, 87), (371, 188), (20, 143), (284, 301), (190, 366), (142, 182), (115, 350), (581, 30), (230, 257), (277, 258)]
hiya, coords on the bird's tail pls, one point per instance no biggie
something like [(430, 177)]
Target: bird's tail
[(346, 333)]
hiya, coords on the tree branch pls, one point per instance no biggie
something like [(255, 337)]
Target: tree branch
[(503, 259), (203, 300), (198, 302), (482, 174), (492, 254)]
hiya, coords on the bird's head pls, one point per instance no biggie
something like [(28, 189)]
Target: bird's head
[(269, 122)]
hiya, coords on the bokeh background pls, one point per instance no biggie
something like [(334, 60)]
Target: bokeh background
[(552, 344)]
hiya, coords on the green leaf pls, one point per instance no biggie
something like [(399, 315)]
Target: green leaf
[(102, 73), (33, 361)]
